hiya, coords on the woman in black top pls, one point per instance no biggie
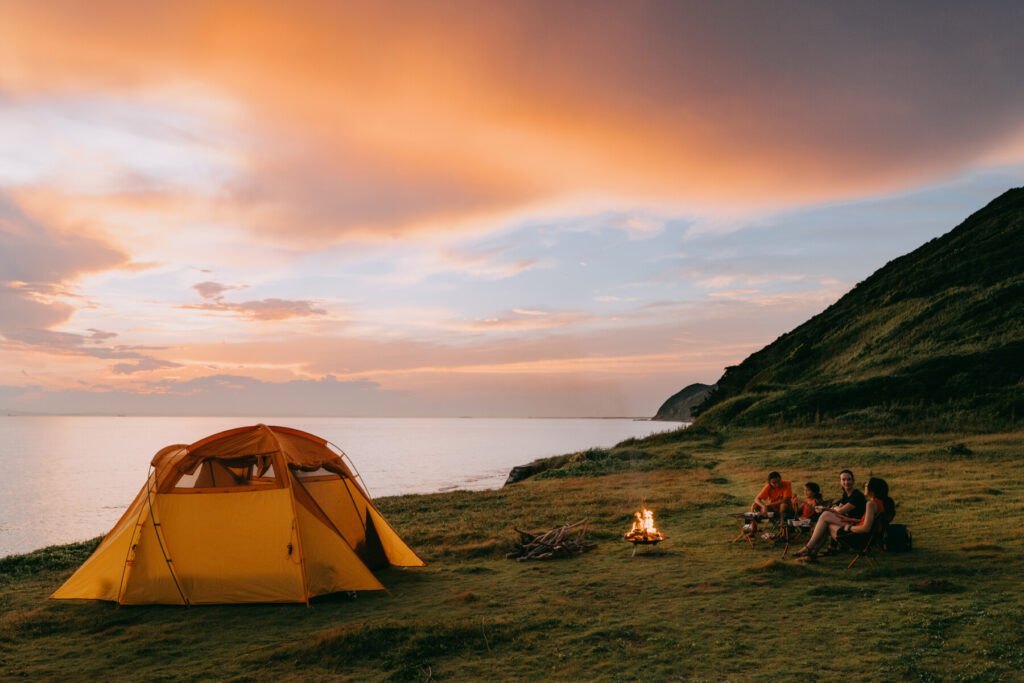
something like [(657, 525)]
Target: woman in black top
[(852, 502)]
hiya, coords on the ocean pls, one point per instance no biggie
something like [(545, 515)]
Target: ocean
[(69, 479)]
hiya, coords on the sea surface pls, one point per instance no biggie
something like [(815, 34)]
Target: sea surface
[(69, 479)]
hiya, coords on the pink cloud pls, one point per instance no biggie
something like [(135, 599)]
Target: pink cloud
[(143, 365), (263, 309), (37, 267), (212, 290)]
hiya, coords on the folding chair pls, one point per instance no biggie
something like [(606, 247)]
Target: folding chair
[(862, 544)]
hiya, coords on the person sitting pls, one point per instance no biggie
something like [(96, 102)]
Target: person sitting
[(810, 507), (852, 502), (776, 496), (831, 524), (877, 492)]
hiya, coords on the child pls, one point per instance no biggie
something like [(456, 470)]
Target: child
[(810, 506)]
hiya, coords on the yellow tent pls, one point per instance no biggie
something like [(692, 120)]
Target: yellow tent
[(254, 514)]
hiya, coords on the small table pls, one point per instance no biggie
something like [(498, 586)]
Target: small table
[(793, 528), (748, 523)]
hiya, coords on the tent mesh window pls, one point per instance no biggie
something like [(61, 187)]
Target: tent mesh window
[(227, 474), (315, 475)]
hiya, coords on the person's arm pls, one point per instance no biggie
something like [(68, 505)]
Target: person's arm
[(869, 519), (762, 499), (843, 509)]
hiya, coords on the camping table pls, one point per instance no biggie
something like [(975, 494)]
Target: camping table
[(793, 528), (748, 523)]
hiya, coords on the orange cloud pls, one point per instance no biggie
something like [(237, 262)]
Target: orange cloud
[(382, 119)]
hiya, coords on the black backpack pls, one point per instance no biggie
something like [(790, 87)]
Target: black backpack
[(897, 538)]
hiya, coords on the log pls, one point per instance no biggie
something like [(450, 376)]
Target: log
[(563, 541)]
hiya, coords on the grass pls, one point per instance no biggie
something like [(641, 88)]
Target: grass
[(697, 608)]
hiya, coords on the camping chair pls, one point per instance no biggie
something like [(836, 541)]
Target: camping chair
[(862, 544)]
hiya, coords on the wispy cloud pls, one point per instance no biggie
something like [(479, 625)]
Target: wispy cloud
[(520, 321), (727, 279), (735, 293), (485, 263), (263, 309), (143, 365)]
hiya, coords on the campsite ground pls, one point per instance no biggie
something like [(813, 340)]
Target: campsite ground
[(697, 608)]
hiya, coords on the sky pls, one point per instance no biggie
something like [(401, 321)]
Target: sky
[(460, 208)]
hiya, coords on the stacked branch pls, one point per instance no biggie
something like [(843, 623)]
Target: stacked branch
[(563, 541)]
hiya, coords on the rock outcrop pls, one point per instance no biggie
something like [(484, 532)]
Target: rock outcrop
[(677, 408)]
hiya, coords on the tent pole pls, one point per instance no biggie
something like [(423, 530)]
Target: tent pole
[(355, 506), (163, 551), (357, 477)]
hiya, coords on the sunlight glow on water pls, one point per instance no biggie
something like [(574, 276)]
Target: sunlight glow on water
[(70, 478)]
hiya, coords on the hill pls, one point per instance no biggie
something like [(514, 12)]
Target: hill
[(934, 339), (678, 406)]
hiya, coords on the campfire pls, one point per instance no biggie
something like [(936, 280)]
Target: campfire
[(643, 530)]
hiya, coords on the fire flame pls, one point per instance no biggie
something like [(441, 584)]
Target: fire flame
[(643, 527)]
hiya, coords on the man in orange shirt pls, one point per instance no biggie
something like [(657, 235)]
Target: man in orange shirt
[(776, 496)]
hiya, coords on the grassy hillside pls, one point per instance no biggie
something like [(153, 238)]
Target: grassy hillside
[(933, 339), (698, 608)]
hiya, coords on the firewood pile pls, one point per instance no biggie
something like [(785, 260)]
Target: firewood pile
[(563, 541)]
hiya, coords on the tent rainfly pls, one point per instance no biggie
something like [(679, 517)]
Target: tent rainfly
[(254, 514)]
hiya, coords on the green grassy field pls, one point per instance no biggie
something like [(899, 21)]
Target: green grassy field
[(697, 608)]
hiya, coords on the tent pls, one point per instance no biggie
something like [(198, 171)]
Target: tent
[(254, 514)]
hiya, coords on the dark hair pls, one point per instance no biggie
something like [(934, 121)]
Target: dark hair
[(815, 490), (847, 472), (774, 475), (880, 490)]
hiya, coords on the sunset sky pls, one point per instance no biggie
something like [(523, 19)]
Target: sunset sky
[(467, 208)]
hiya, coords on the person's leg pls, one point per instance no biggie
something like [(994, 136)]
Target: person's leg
[(778, 508), (821, 529)]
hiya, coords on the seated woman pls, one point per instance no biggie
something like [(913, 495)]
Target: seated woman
[(832, 524), (812, 500)]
